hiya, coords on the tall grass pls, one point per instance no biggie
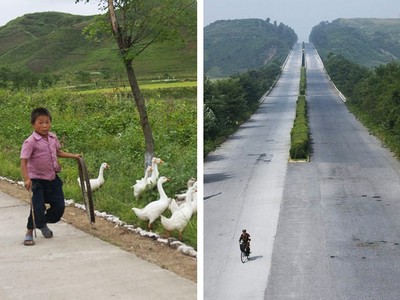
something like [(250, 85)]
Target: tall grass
[(105, 127)]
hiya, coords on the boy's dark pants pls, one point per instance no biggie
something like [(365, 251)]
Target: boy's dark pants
[(45, 191)]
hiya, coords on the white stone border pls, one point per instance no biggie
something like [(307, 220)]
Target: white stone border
[(173, 243), (341, 96)]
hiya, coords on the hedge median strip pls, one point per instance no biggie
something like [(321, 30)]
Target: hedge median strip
[(300, 136), (303, 84), (299, 149)]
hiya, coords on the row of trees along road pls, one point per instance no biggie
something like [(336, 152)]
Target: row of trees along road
[(136, 25), (229, 102), (373, 95)]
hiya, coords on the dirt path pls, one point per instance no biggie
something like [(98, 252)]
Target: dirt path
[(143, 247)]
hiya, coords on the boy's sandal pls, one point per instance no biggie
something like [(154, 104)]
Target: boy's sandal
[(28, 241)]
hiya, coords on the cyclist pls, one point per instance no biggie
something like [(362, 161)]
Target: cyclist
[(245, 245)]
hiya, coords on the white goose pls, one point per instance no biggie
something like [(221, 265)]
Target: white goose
[(179, 201), (140, 185), (182, 197), (154, 209), (96, 183), (152, 180), (180, 218)]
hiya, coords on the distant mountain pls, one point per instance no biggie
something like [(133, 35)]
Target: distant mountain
[(53, 42), (235, 46), (369, 42)]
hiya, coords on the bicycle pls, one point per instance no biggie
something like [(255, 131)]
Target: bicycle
[(244, 252)]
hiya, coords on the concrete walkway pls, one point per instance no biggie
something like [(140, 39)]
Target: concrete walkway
[(75, 265)]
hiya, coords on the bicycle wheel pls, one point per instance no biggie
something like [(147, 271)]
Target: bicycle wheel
[(86, 192), (242, 256)]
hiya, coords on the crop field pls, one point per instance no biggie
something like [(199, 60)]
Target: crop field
[(148, 85), (104, 126)]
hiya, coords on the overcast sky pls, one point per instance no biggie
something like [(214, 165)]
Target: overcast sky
[(11, 9), (300, 15)]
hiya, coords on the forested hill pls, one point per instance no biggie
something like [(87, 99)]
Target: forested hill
[(53, 42), (44, 41), (369, 42), (235, 46)]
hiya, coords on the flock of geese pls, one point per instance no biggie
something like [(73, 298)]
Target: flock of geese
[(182, 207)]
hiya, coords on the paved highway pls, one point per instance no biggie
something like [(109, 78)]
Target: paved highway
[(339, 228), (243, 188), (327, 229)]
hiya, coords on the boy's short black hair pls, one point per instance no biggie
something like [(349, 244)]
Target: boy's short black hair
[(40, 111)]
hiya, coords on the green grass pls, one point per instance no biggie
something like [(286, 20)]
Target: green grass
[(105, 127), (145, 86)]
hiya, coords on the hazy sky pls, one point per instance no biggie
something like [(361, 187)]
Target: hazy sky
[(11, 9), (301, 15)]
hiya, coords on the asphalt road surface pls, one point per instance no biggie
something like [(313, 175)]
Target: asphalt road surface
[(327, 229), (339, 228), (243, 188)]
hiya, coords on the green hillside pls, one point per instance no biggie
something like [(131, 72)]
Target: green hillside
[(370, 42), (53, 42), (235, 46)]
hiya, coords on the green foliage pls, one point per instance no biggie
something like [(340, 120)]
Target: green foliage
[(26, 79), (303, 81), (236, 46), (377, 100), (299, 135), (344, 73), (229, 102), (105, 127), (369, 42), (373, 96), (144, 23), (257, 82)]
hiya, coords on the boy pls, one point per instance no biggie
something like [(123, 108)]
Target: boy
[(39, 167)]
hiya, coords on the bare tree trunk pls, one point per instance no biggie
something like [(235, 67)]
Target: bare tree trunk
[(137, 95), (144, 121)]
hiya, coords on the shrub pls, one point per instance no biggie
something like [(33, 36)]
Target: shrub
[(300, 133), (303, 81)]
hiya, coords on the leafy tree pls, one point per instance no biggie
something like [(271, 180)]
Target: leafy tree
[(345, 73), (257, 82), (373, 95), (229, 102), (136, 25)]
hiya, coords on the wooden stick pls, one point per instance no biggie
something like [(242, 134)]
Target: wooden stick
[(33, 213)]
